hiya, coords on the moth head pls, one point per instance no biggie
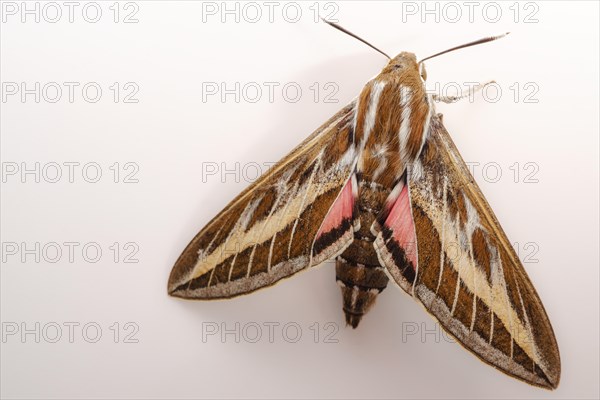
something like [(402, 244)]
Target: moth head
[(404, 67), (403, 62)]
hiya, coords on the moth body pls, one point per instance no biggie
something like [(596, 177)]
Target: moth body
[(390, 126)]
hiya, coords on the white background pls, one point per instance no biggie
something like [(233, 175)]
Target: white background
[(171, 134)]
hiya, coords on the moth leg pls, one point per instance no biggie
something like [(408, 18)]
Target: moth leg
[(465, 93)]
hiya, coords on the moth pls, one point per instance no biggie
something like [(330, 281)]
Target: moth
[(381, 188)]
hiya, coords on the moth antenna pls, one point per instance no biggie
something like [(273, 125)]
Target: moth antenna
[(347, 32), (462, 46)]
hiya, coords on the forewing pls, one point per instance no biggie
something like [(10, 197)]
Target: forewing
[(467, 273), (279, 225)]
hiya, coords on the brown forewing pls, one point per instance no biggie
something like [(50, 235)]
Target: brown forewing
[(268, 231), (468, 275)]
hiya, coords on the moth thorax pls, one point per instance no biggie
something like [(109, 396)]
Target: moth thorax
[(415, 120)]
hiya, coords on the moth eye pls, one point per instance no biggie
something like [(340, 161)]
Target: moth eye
[(423, 72)]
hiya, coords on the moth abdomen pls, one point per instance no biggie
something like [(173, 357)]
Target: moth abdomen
[(360, 285)]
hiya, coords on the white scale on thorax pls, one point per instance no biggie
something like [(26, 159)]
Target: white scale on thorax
[(370, 118)]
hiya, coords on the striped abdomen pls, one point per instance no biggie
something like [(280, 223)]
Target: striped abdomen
[(358, 271)]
